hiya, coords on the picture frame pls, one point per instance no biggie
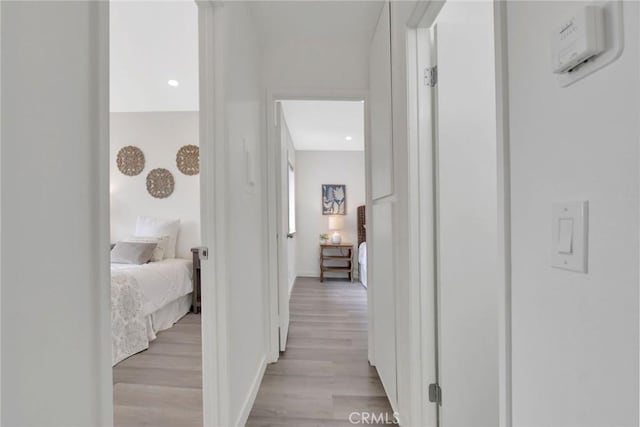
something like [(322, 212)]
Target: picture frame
[(334, 199)]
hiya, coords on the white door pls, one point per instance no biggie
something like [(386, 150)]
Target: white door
[(282, 197), (467, 215)]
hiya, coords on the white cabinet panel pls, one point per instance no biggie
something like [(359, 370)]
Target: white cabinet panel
[(380, 275), (380, 109)]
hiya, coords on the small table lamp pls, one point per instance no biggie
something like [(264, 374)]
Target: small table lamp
[(336, 223)]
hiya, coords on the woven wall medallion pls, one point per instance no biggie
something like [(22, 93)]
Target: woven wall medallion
[(160, 183), (188, 159), (130, 160)]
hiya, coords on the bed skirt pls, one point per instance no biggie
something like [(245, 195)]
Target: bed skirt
[(131, 332)]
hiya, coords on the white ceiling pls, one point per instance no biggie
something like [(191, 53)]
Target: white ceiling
[(153, 42), (353, 21), (156, 41), (324, 125)]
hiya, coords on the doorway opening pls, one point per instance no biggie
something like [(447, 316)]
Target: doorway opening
[(155, 214), (322, 282), (459, 147)]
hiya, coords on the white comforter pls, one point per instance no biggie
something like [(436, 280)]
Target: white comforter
[(137, 291), (160, 282), (362, 260)]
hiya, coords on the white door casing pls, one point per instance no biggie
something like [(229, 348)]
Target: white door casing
[(215, 381)]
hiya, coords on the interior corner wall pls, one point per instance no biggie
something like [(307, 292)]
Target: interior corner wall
[(315, 168), (245, 257), (574, 334), (159, 135)]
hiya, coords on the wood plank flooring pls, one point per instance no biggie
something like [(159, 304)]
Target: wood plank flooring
[(162, 386), (324, 375)]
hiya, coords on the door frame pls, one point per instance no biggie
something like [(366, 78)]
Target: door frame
[(278, 247), (424, 16), (215, 382), (213, 181)]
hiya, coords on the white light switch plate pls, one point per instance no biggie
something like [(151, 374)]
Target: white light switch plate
[(569, 240)]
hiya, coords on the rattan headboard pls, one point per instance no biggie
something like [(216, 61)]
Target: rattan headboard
[(362, 225)]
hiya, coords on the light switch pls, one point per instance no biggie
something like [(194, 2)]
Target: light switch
[(565, 235), (569, 238)]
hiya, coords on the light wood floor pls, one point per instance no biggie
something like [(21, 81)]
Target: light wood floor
[(162, 386), (324, 375)]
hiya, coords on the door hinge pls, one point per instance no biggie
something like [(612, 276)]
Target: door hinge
[(435, 393), (431, 76)]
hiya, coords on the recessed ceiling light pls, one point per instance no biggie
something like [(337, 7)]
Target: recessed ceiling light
[(348, 138), (173, 83)]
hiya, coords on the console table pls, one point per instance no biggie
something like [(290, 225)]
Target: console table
[(336, 258)]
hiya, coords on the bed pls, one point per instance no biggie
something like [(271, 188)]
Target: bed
[(362, 245), (146, 299)]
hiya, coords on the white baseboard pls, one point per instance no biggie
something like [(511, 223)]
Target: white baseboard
[(308, 274), (291, 283), (253, 392), (316, 274)]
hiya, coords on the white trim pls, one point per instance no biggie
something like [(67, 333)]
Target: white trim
[(291, 283), (312, 274), (1, 213), (270, 300), (247, 405), (368, 214), (414, 215), (99, 75), (215, 381), (504, 213), (273, 95)]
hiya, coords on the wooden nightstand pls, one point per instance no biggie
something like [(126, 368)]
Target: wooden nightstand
[(195, 301), (339, 257)]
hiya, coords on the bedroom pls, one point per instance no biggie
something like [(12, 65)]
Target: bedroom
[(155, 213)]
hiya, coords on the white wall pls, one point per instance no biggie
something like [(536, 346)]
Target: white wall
[(245, 255), (316, 64), (56, 357), (315, 168), (159, 135), (574, 335)]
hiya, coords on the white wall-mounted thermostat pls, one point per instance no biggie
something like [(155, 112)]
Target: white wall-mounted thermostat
[(578, 38), (586, 40)]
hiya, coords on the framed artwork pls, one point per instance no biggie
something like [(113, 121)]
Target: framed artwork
[(334, 199)]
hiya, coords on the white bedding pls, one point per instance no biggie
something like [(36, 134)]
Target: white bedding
[(160, 282), (362, 261), (142, 293)]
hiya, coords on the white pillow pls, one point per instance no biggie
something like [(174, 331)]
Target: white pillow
[(157, 227), (161, 245)]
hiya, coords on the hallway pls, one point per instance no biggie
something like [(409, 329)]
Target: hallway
[(324, 375)]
